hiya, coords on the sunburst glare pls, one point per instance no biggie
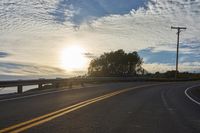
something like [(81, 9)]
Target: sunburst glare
[(72, 58)]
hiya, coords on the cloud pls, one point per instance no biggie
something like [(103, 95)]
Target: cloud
[(169, 57), (30, 29), (150, 56), (151, 27), (82, 11), (26, 16), (183, 67), (19, 69), (4, 54), (90, 55)]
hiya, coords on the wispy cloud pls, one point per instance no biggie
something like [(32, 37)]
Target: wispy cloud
[(4, 54), (23, 69), (34, 31), (149, 56), (90, 55), (186, 55), (163, 67), (83, 11)]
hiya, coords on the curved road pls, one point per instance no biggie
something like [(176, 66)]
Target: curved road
[(138, 107)]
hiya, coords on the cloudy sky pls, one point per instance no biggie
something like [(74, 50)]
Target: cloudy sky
[(34, 34)]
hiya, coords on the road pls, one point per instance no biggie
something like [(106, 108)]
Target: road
[(138, 107)]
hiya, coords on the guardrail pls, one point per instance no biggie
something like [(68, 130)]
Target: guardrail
[(39, 82), (70, 81)]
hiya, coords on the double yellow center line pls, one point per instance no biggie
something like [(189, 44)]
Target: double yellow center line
[(50, 116)]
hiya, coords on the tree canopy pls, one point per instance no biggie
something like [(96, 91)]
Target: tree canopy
[(116, 63)]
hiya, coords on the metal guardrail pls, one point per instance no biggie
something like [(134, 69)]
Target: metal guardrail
[(70, 81), (40, 82)]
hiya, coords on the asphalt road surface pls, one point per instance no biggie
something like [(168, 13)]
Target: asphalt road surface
[(138, 107)]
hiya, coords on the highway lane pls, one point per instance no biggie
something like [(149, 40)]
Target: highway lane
[(16, 111), (160, 108)]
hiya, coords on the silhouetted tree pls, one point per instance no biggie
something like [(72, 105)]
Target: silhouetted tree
[(116, 63), (170, 74)]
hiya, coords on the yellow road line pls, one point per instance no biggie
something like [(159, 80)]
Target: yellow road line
[(44, 116), (50, 116), (55, 116)]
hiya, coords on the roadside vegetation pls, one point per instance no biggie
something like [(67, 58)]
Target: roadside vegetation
[(171, 74), (116, 63), (121, 64)]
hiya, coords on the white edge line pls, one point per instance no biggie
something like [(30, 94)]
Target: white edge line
[(186, 93), (165, 103), (45, 93)]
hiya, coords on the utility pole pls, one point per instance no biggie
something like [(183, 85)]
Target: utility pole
[(179, 29)]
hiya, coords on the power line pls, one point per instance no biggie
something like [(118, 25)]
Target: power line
[(179, 29)]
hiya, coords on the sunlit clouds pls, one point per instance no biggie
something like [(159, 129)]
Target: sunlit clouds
[(72, 58), (43, 32)]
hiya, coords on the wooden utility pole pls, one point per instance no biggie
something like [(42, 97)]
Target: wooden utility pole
[(179, 29)]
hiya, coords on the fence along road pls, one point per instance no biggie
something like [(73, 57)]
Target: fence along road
[(58, 82)]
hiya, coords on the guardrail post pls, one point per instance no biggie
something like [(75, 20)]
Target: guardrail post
[(39, 86), (57, 85), (19, 89), (82, 84), (70, 84)]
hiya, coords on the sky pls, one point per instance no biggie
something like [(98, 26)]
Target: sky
[(36, 35)]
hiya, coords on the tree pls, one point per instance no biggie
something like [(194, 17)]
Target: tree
[(170, 74), (116, 63)]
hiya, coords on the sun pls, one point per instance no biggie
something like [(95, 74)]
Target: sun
[(72, 58)]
